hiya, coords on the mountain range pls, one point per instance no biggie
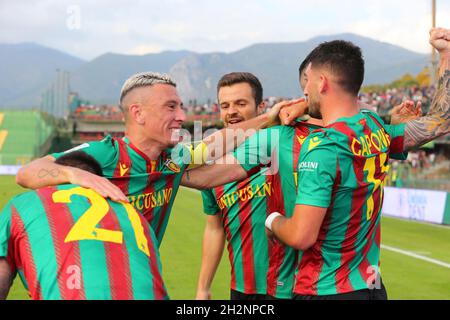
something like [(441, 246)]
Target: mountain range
[(28, 69)]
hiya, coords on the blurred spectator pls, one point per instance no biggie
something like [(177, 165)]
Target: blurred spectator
[(98, 112), (383, 101)]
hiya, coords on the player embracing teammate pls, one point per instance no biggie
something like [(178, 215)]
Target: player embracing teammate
[(338, 171), (338, 234)]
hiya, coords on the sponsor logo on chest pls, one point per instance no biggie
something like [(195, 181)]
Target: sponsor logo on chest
[(245, 194)]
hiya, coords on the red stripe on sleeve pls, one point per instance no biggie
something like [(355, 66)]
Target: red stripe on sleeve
[(397, 145)]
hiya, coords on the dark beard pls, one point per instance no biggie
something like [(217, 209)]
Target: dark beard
[(314, 110)]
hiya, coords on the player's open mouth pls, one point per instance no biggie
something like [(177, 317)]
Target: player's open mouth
[(175, 133), (233, 121)]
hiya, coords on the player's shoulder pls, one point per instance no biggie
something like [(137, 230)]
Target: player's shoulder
[(279, 128), (22, 201), (326, 135), (183, 146), (321, 139), (275, 134), (370, 114), (105, 146), (107, 142), (181, 154), (304, 124)]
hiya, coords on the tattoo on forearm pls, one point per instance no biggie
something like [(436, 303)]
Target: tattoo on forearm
[(437, 121), (43, 173), (188, 178)]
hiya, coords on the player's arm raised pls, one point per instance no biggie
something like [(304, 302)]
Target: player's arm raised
[(437, 121), (212, 250)]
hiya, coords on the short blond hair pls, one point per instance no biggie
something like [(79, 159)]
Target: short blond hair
[(144, 79)]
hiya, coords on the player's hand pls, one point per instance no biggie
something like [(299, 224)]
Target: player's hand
[(293, 110), (99, 184), (440, 40), (406, 111), (203, 295), (276, 113)]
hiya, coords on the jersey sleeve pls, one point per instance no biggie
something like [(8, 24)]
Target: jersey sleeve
[(190, 155), (103, 151), (316, 171), (5, 229), (397, 134), (259, 148), (210, 206)]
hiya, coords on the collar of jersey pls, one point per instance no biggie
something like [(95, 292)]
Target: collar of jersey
[(143, 155), (299, 122), (347, 120)]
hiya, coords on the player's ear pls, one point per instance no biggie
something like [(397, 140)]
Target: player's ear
[(260, 108), (135, 112), (323, 84)]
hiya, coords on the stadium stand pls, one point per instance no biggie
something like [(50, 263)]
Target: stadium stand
[(24, 135)]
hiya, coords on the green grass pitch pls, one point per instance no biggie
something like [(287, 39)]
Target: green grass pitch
[(405, 277)]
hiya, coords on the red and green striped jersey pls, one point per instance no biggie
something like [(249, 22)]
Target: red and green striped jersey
[(243, 207), (68, 242), (281, 146), (342, 167), (151, 186)]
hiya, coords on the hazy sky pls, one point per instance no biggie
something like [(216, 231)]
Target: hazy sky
[(88, 29)]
